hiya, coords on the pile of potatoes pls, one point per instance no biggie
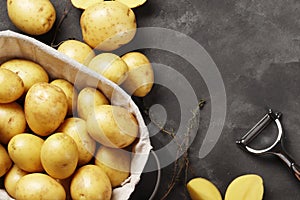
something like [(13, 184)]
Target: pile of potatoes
[(59, 142), (105, 26)]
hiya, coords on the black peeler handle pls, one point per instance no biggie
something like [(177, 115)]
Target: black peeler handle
[(289, 162)]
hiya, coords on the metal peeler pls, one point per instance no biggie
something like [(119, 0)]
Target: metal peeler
[(274, 149)]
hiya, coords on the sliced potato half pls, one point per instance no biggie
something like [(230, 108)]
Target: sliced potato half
[(83, 4), (132, 3)]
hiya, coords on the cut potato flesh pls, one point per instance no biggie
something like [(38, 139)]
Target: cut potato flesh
[(83, 4), (132, 3)]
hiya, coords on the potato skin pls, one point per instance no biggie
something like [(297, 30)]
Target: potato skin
[(25, 149), (5, 161), (12, 86), (11, 179), (111, 66), (76, 129), (108, 25), (12, 121), (31, 16), (59, 155), (77, 50), (140, 77), (90, 182), (115, 163), (29, 71), (112, 126), (88, 99), (70, 92), (45, 108), (39, 186)]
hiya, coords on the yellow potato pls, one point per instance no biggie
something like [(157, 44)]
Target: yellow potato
[(24, 150), (59, 155), (140, 77), (5, 161), (110, 66), (88, 99), (12, 86), (76, 129), (45, 108), (39, 186), (203, 189), (12, 121), (245, 187), (70, 92), (115, 163), (132, 3), (112, 126), (29, 71), (31, 16), (90, 182), (11, 179), (77, 50), (108, 25)]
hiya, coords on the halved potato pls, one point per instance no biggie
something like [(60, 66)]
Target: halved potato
[(83, 4), (132, 3)]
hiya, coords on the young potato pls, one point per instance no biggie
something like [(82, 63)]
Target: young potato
[(132, 3), (39, 186), (12, 121), (59, 155), (45, 108), (112, 126), (108, 25), (24, 150), (88, 99), (77, 50), (11, 179), (29, 71), (110, 66), (76, 129), (5, 161), (140, 77), (31, 16), (115, 163), (12, 86), (84, 4), (90, 182), (70, 92)]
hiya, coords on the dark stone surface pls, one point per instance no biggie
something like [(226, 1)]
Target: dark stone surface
[(256, 46)]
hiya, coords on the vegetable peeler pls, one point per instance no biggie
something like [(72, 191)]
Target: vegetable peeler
[(276, 148)]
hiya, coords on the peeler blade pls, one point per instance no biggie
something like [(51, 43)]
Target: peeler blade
[(258, 127)]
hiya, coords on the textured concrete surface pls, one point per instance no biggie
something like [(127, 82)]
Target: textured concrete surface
[(256, 46)]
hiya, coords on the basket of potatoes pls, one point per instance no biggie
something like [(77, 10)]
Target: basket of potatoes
[(66, 132)]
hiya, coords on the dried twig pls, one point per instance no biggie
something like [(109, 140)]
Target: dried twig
[(182, 163), (65, 14)]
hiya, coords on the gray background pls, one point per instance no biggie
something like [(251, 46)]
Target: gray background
[(256, 46)]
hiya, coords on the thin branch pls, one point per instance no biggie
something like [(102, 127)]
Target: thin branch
[(182, 163), (63, 17)]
